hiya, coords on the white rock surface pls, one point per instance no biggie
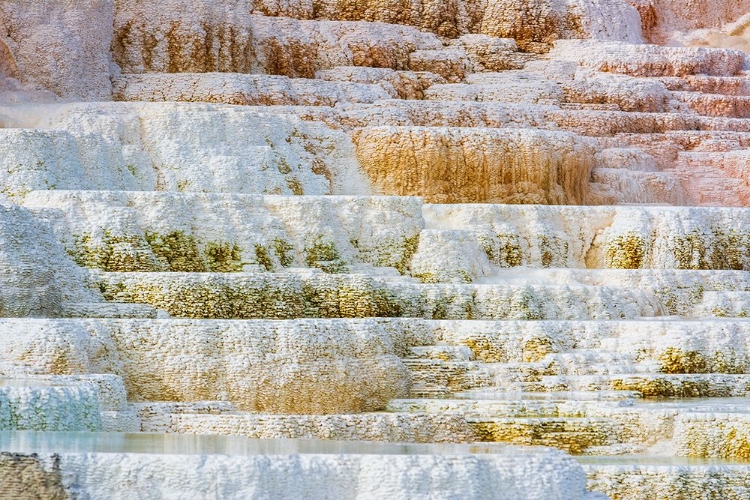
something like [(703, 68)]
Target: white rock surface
[(48, 405), (304, 366), (59, 45), (650, 60), (508, 473), (156, 147), (129, 231), (251, 90), (37, 276), (646, 480)]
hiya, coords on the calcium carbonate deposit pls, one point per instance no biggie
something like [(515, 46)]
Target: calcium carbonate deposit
[(377, 249)]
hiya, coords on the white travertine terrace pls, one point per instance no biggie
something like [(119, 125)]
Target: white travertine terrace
[(432, 222), (173, 466), (42, 404)]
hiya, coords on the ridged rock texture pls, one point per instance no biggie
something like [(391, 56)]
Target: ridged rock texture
[(293, 226)]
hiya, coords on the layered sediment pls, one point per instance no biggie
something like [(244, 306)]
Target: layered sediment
[(415, 222)]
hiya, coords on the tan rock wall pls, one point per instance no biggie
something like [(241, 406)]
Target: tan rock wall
[(451, 165), (533, 23), (225, 37), (447, 18), (186, 36), (29, 476), (58, 45)]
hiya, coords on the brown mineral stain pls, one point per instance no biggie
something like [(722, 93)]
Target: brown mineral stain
[(27, 477)]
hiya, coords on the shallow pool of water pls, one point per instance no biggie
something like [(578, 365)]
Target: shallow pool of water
[(656, 460), (26, 382), (548, 396), (91, 442), (700, 405)]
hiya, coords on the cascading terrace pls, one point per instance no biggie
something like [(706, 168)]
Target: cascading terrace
[(420, 249)]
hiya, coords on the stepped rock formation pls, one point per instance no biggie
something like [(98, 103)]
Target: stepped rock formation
[(390, 248)]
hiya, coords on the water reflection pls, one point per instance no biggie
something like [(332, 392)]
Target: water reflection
[(180, 444), (700, 405), (26, 382), (549, 397), (655, 460)]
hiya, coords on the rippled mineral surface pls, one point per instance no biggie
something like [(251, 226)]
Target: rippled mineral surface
[(399, 249)]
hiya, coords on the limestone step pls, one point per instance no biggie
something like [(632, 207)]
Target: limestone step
[(612, 237), (678, 291), (694, 159), (243, 89), (50, 404), (492, 394), (441, 352), (588, 90), (260, 44), (430, 375), (520, 89), (726, 304), (312, 469), (478, 407), (663, 349), (573, 435), (718, 125), (643, 476), (140, 231), (383, 427), (218, 149), (611, 450), (731, 106), (120, 421), (727, 85), (657, 385), (715, 177), (36, 277), (585, 120), (650, 60), (152, 410), (399, 84), (454, 376), (554, 165), (110, 310), (385, 272), (279, 296), (254, 365), (619, 187), (703, 428), (476, 23), (725, 190), (594, 362), (712, 345), (125, 233), (713, 435)]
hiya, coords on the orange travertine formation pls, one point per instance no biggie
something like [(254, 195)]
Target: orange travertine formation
[(454, 165)]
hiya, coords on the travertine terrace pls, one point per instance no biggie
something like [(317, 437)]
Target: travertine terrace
[(291, 227)]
